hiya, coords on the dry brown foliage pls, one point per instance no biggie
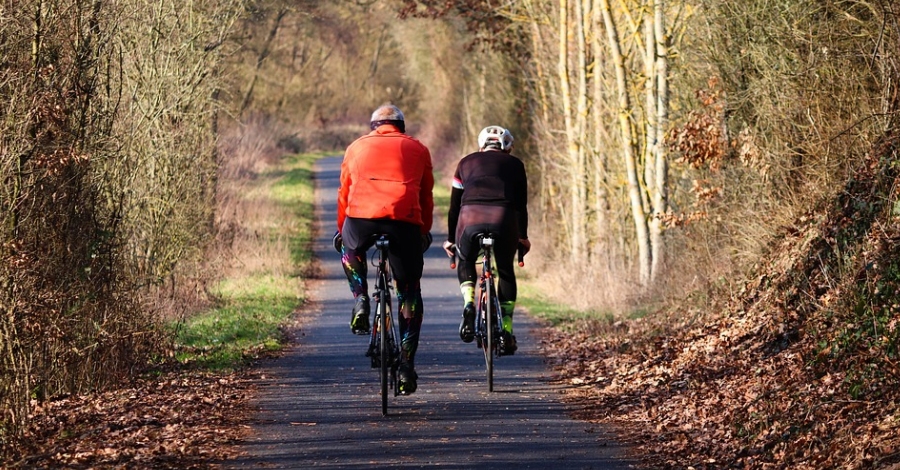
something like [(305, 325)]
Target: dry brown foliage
[(243, 217), (798, 369), (107, 161), (178, 420)]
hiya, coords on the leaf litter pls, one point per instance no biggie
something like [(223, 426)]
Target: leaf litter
[(798, 369), (180, 419)]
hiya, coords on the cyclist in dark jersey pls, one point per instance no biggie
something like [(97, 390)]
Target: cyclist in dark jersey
[(490, 193)]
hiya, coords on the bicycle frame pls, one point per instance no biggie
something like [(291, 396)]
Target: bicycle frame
[(488, 317), (383, 347)]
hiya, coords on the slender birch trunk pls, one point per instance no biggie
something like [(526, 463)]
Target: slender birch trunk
[(629, 146), (660, 158), (601, 202), (537, 43), (649, 56), (579, 167), (576, 231), (601, 196)]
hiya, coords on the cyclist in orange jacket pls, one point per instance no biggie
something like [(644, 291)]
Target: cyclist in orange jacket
[(489, 194), (386, 187)]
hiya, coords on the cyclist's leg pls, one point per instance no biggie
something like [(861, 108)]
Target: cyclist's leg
[(410, 319), (473, 220), (409, 298), (504, 254), (506, 286), (357, 239), (467, 257), (406, 265)]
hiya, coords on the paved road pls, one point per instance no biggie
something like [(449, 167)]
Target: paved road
[(321, 406)]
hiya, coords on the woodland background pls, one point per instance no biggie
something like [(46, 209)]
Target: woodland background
[(672, 146)]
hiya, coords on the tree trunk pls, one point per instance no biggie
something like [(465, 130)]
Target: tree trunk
[(660, 157), (576, 237), (262, 57), (628, 146), (536, 46), (600, 166), (579, 165)]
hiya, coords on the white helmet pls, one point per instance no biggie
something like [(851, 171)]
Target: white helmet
[(495, 136)]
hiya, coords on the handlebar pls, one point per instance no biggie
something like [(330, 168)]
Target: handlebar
[(519, 252)]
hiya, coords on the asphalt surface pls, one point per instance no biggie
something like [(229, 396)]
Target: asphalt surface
[(320, 404)]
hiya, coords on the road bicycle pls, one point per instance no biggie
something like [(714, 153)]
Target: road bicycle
[(487, 311), (488, 316), (383, 347)]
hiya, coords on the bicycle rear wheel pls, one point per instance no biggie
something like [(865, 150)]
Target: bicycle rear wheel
[(384, 344), (490, 339), (394, 346)]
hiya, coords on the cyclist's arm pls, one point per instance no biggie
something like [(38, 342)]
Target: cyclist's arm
[(522, 203), (453, 213), (426, 195), (343, 192), (456, 192)]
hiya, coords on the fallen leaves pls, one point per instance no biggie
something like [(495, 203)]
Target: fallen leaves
[(797, 369), (182, 420)]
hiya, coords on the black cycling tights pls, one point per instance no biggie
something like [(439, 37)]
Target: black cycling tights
[(405, 257)]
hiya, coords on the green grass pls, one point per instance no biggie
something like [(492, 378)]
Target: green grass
[(441, 195), (557, 315), (253, 306), (247, 322), (297, 190)]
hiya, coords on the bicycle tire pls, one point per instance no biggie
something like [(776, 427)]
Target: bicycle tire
[(394, 350), (489, 326), (383, 307)]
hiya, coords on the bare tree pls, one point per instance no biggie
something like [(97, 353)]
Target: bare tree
[(629, 146), (107, 155)]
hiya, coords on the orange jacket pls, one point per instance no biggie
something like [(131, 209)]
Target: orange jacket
[(387, 174)]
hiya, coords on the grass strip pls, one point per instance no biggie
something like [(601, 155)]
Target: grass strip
[(253, 304), (555, 314)]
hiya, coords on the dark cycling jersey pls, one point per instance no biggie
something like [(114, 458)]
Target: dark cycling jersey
[(490, 178)]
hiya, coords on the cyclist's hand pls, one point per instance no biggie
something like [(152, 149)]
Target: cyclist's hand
[(524, 246), (426, 241), (450, 248), (337, 241)]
